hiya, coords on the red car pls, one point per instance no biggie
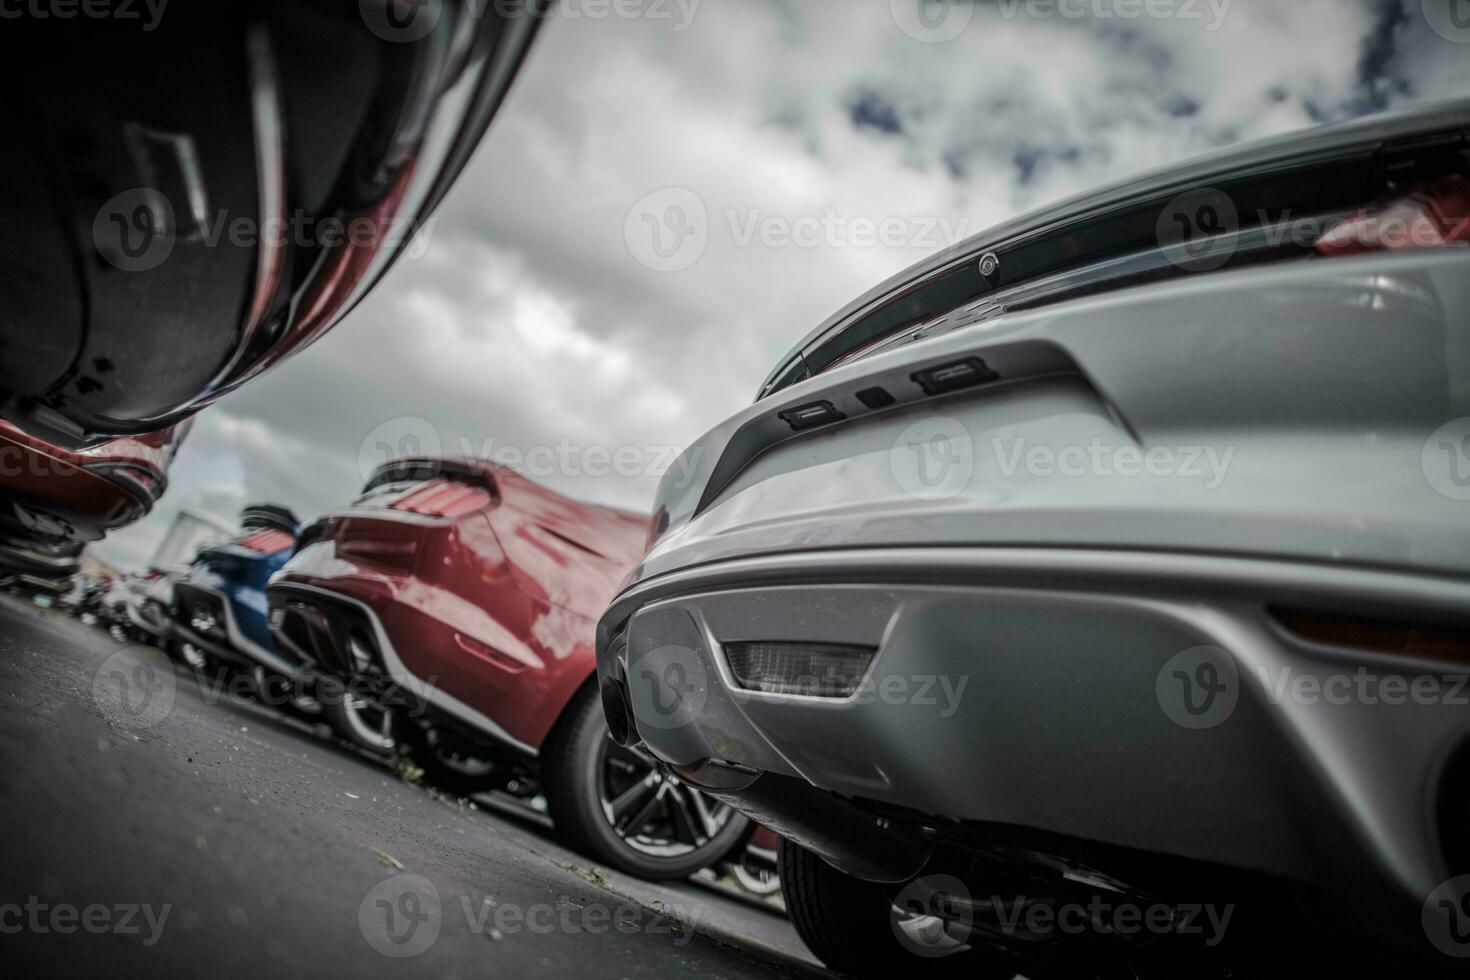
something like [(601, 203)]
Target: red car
[(452, 608), (54, 501)]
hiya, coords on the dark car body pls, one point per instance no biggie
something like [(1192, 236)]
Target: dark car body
[(875, 624), (55, 501), (189, 200)]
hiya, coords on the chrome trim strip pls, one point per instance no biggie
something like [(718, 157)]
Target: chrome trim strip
[(407, 679)]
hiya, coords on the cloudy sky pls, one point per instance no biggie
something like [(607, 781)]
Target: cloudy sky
[(669, 201)]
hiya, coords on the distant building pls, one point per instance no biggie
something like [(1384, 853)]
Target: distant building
[(192, 530)]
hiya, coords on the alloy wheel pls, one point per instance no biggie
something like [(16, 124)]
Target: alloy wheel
[(652, 811)]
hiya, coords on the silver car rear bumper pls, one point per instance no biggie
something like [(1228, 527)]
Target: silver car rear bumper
[(1148, 701)]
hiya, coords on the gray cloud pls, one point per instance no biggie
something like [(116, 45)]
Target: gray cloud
[(528, 322)]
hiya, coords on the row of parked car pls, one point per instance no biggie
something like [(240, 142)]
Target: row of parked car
[(982, 476), (444, 619)]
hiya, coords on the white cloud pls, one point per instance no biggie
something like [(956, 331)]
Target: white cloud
[(529, 322)]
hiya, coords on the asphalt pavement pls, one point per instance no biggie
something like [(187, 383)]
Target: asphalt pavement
[(152, 826)]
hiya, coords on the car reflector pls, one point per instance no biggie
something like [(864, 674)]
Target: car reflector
[(811, 416), (953, 376), (817, 670)]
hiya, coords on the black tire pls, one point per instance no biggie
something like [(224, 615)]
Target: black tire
[(457, 769), (848, 924), (572, 773)]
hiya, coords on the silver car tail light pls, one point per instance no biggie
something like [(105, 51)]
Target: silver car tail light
[(818, 670)]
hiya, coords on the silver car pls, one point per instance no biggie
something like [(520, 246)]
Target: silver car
[(1098, 591)]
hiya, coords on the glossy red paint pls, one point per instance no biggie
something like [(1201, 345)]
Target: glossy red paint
[(79, 496), (487, 586)]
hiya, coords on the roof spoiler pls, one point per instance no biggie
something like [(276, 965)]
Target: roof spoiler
[(476, 472)]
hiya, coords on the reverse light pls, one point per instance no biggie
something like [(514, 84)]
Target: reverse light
[(954, 376), (816, 670), (811, 416)]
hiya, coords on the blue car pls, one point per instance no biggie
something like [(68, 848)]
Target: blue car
[(220, 612)]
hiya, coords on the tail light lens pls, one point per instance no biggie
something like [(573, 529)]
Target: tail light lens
[(1431, 641), (266, 542), (816, 670), (444, 498), (1436, 215)]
